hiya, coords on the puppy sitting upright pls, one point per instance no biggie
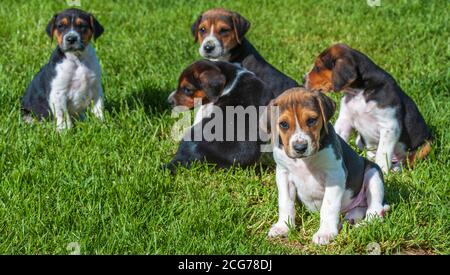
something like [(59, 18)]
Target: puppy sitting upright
[(221, 36), (230, 97), (71, 80), (386, 119), (317, 166)]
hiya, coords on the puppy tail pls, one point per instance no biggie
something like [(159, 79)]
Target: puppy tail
[(421, 153)]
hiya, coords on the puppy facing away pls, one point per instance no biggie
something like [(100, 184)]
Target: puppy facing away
[(319, 168), (221, 34), (221, 88), (387, 120), (71, 80)]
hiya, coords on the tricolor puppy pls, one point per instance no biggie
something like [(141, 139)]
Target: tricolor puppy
[(386, 119), (315, 165), (71, 80), (221, 32), (219, 86)]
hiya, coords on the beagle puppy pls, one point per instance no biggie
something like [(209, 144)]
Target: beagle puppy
[(221, 32), (318, 167), (71, 80), (221, 88), (387, 120)]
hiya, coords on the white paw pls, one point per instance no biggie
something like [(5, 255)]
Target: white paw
[(62, 126), (324, 236), (278, 230), (376, 212), (396, 167), (60, 129), (99, 115)]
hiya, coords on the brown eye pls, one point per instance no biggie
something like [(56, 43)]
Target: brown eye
[(311, 121), (284, 125), (186, 91), (60, 26), (224, 31), (202, 30), (83, 28), (317, 69)]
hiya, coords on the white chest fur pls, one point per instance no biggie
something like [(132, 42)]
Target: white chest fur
[(367, 118), (77, 81), (311, 175), (379, 127)]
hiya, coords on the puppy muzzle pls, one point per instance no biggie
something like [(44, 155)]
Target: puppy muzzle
[(72, 42), (300, 149), (306, 81), (171, 99), (211, 48)]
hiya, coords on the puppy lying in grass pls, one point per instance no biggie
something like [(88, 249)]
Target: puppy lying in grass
[(222, 89)]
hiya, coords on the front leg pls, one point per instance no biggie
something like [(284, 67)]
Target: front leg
[(58, 106), (330, 210), (344, 125), (286, 204), (388, 139), (98, 106)]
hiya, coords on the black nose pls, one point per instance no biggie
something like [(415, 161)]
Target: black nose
[(71, 39), (300, 148), (209, 47)]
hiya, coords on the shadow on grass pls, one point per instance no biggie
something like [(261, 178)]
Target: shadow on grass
[(397, 192), (152, 100), (265, 164)]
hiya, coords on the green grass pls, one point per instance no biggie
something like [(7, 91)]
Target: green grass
[(101, 184)]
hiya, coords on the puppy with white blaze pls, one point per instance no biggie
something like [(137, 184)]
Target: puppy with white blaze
[(71, 80), (319, 168)]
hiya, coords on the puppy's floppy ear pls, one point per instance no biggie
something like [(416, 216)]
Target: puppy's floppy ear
[(213, 82), (327, 60), (194, 28), (344, 72), (97, 29), (240, 25), (327, 108), (51, 26)]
